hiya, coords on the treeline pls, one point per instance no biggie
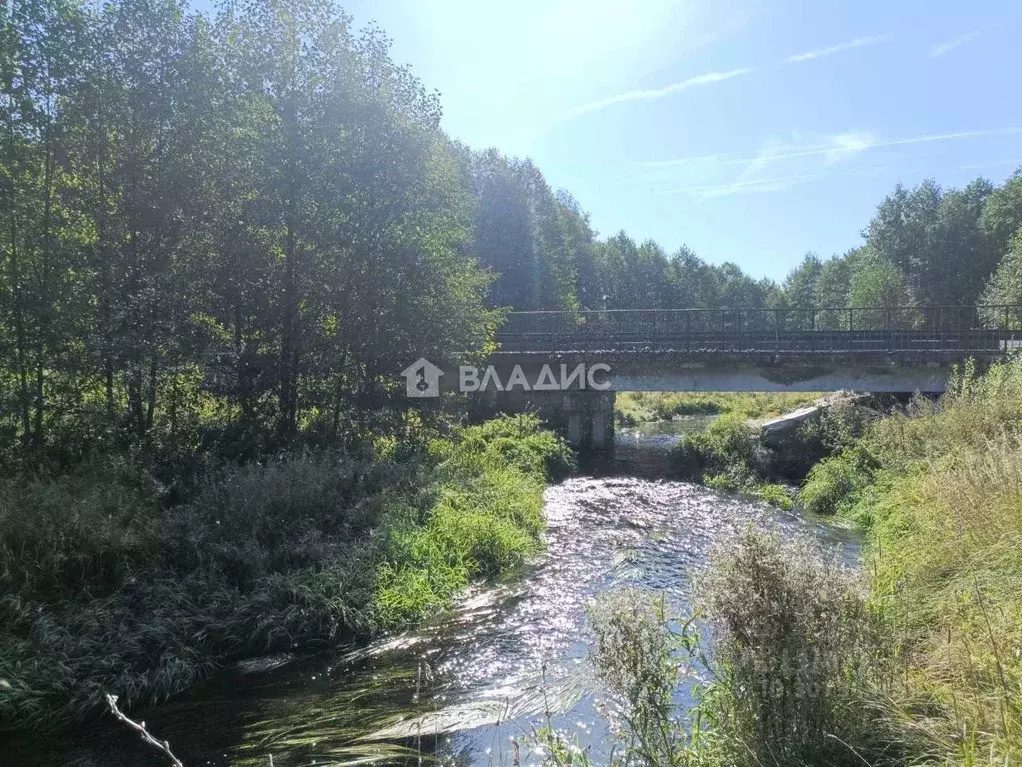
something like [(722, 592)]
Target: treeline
[(925, 246), (254, 220)]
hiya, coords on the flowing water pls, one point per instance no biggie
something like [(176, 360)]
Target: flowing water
[(458, 689)]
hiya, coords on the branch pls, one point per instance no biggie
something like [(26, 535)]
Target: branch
[(139, 727)]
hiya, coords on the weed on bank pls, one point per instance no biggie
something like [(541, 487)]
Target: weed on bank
[(109, 585)]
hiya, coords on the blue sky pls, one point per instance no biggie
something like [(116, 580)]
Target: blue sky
[(751, 131)]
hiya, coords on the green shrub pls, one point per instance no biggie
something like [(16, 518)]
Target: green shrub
[(724, 444), (797, 658), (832, 482), (775, 495)]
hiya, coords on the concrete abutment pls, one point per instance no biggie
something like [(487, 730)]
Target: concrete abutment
[(585, 418)]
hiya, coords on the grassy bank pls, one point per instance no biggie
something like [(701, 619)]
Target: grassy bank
[(632, 408), (724, 456), (939, 490), (115, 582), (729, 455)]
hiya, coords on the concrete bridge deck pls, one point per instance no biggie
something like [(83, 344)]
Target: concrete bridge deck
[(896, 349)]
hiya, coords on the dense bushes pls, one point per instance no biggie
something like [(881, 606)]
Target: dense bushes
[(726, 456), (798, 658), (109, 586), (833, 479)]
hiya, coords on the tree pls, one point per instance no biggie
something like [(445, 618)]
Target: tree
[(800, 286), (41, 49), (1004, 289), (934, 237), (1002, 213), (832, 289), (876, 283)]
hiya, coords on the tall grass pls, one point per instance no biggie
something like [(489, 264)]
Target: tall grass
[(798, 673), (799, 661), (109, 585), (939, 488)]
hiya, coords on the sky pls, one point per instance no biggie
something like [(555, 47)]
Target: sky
[(751, 131)]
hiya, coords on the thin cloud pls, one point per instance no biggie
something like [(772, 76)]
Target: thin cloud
[(710, 78), (858, 42), (950, 45), (761, 185), (854, 144), (655, 93)]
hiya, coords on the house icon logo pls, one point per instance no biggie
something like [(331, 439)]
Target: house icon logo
[(422, 379)]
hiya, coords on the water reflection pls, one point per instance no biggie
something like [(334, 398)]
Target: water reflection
[(458, 689)]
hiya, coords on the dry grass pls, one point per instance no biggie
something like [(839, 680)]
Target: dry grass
[(939, 489), (948, 563), (799, 661)]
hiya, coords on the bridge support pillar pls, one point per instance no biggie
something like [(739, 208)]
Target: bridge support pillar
[(585, 418), (590, 420)]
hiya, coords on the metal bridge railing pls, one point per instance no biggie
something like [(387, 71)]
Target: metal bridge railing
[(836, 329)]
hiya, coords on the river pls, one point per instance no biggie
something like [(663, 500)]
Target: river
[(461, 687)]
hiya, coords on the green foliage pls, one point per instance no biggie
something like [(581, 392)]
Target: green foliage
[(797, 659), (725, 444), (944, 534), (725, 456), (632, 408), (642, 658), (109, 584), (241, 224), (937, 489), (832, 481), (775, 495), (877, 282), (800, 286), (1002, 214), (1005, 288), (515, 441), (934, 238), (198, 233)]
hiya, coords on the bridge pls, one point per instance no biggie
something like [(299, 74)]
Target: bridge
[(889, 349)]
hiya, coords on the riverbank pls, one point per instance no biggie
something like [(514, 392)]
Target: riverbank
[(747, 450), (633, 408), (116, 582), (457, 686), (937, 489)]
